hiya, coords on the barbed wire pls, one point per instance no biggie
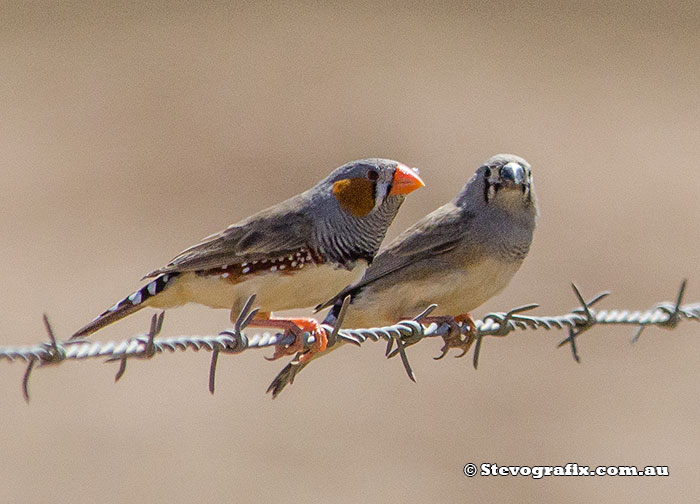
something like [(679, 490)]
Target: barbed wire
[(402, 335)]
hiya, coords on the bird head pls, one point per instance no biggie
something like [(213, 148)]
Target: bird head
[(365, 186), (358, 203), (502, 181)]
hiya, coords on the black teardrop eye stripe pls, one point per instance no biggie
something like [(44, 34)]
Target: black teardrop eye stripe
[(487, 184), (388, 187)]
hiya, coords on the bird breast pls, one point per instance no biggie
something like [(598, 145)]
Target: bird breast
[(455, 291), (274, 291)]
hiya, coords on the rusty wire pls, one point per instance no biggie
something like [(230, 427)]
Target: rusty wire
[(402, 335)]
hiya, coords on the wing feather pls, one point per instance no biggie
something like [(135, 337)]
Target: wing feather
[(268, 234)]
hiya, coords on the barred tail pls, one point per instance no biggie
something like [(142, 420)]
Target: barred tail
[(130, 304)]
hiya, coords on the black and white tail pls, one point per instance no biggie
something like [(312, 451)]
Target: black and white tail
[(130, 304)]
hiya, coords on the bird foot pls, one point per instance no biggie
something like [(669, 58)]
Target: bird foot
[(297, 328), (454, 338)]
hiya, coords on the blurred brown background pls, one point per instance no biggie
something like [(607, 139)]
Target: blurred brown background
[(129, 132)]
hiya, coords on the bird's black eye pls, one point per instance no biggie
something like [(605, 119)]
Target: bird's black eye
[(487, 173), (372, 175)]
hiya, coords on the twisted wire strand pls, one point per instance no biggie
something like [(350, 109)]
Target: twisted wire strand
[(402, 334)]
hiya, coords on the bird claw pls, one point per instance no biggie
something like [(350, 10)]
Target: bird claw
[(454, 337), (464, 352), (443, 351), (298, 328), (456, 342)]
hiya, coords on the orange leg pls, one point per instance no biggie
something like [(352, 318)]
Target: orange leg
[(296, 327), (454, 339)]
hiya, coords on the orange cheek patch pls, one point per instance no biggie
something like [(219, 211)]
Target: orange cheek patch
[(356, 195)]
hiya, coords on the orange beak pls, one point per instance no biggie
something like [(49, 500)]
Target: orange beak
[(405, 181)]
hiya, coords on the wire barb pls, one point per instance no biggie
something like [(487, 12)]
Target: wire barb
[(333, 336), (503, 327), (674, 314), (55, 354), (148, 350), (588, 321), (239, 323)]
